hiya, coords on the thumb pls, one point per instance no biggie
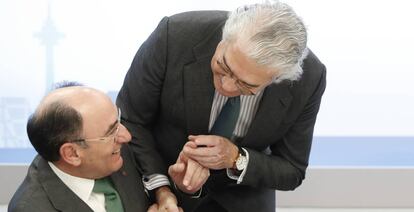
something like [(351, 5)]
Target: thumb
[(175, 169), (173, 208), (191, 144), (153, 208)]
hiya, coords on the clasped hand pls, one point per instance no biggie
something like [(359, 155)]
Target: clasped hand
[(200, 154), (188, 175), (211, 151)]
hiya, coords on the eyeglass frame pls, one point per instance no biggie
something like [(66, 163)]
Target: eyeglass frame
[(242, 86), (244, 90), (104, 139)]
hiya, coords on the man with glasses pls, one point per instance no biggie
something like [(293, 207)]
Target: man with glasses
[(237, 93), (83, 164)]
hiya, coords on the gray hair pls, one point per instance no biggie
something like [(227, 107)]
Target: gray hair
[(272, 35)]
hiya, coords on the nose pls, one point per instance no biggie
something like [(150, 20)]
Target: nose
[(123, 135), (229, 84)]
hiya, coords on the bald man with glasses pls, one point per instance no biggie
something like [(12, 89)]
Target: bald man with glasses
[(83, 163)]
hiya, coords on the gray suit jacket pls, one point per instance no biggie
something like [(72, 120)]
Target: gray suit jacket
[(167, 95), (43, 191)]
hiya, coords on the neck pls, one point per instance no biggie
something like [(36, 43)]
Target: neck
[(72, 170)]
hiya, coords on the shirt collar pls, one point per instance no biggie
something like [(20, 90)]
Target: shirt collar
[(82, 187), (243, 98)]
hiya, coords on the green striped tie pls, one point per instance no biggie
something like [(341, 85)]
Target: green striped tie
[(112, 200)]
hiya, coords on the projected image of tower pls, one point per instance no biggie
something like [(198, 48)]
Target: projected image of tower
[(49, 37)]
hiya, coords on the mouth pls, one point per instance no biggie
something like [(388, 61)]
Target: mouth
[(222, 79), (116, 152)]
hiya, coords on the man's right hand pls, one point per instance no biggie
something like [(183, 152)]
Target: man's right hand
[(188, 175)]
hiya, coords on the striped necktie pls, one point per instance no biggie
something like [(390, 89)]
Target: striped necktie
[(112, 200)]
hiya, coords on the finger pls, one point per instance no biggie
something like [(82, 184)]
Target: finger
[(194, 180), (192, 137), (182, 158), (176, 169), (200, 151), (214, 166), (172, 208), (197, 157), (153, 208), (191, 169), (211, 163), (191, 144), (199, 178), (211, 140), (205, 140), (205, 159), (203, 176)]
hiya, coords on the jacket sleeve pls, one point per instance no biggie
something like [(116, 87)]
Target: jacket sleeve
[(285, 166), (139, 98)]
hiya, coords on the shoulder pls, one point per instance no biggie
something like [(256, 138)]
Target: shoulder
[(179, 33), (312, 83), (314, 73), (312, 65), (195, 25), (197, 18), (30, 196)]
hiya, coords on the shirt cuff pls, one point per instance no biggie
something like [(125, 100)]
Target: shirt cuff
[(232, 174), (196, 195), (154, 181)]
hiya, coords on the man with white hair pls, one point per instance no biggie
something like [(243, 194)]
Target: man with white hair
[(235, 93)]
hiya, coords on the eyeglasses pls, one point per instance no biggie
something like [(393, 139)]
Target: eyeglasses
[(113, 133), (241, 86)]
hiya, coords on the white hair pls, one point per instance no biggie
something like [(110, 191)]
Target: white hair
[(272, 35)]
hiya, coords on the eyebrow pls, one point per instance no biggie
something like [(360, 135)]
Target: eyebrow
[(229, 69), (111, 128)]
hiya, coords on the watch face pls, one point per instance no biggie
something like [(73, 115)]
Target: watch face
[(241, 162)]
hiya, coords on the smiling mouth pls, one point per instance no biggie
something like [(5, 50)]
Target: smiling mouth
[(221, 79), (116, 152)]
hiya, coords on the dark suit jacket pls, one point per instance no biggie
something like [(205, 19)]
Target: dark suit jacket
[(43, 191), (167, 95)]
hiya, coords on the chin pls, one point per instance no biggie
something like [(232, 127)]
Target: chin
[(219, 88), (228, 94), (117, 164), (116, 168)]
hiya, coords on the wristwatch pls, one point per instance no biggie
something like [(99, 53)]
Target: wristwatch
[(241, 160)]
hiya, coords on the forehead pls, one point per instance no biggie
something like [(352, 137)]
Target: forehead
[(98, 115), (244, 67)]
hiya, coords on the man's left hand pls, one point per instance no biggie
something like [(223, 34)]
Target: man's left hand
[(211, 151), (166, 201)]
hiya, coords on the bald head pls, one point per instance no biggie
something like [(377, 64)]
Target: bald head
[(77, 97), (59, 118)]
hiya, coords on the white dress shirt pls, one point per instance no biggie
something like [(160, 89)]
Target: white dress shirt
[(82, 187)]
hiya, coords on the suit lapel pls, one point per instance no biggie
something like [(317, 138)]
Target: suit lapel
[(198, 84), (198, 95), (62, 198), (275, 101)]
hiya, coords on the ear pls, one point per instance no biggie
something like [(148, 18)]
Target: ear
[(70, 153)]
